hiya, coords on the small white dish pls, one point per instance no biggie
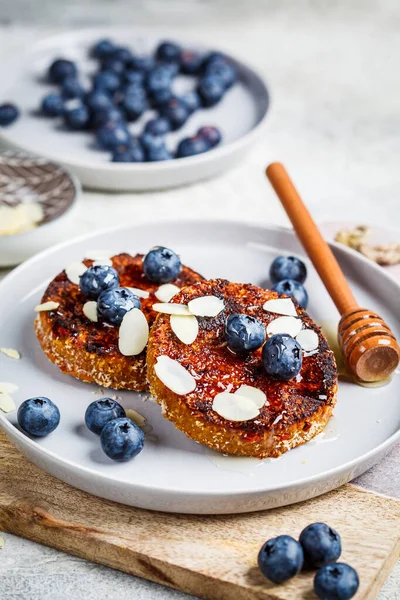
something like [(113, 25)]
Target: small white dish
[(240, 116), (27, 179), (173, 473)]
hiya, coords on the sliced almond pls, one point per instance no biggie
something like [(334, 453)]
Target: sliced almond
[(138, 292), (11, 353), (206, 306), (185, 328), (174, 376), (45, 306), (90, 310), (234, 407), (99, 254), (254, 394), (107, 262), (136, 417), (7, 404), (2, 542), (166, 292), (308, 340), (281, 306), (171, 309), (133, 333), (288, 325), (7, 388), (75, 270)]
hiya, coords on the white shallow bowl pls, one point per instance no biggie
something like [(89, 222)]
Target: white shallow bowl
[(240, 116), (173, 473), (28, 178)]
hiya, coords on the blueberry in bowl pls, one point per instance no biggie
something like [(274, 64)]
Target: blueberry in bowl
[(106, 80), (321, 545), (134, 106), (160, 97), (280, 558), (168, 52), (98, 99), (132, 154), (105, 115), (191, 100), (122, 54), (158, 126), (212, 134), (161, 265), (244, 333), (282, 356), (191, 62), (112, 134), (121, 439), (38, 416), (98, 279), (77, 118), (133, 77), (72, 88), (192, 146), (291, 287), (60, 69), (113, 64), (141, 63), (159, 154), (53, 105), (100, 412), (223, 71), (337, 581), (175, 111), (158, 78), (152, 143), (113, 304), (211, 90), (102, 49), (287, 267), (9, 113)]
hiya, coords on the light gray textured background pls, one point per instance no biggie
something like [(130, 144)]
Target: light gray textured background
[(335, 122)]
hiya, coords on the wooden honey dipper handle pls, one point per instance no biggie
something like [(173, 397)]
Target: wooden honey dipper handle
[(318, 250), (369, 347)]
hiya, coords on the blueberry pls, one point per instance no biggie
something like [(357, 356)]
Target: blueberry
[(161, 97), (175, 111), (77, 118), (161, 265), (244, 333), (158, 78), (224, 71), (287, 267), (107, 80), (168, 52), (106, 115), (280, 558), (336, 582), (211, 90), (53, 105), (135, 154), (72, 88), (191, 146), (60, 69), (152, 143), (121, 439), (293, 288), (191, 62), (112, 134), (103, 49), (134, 90), (191, 100), (135, 77), (282, 357), (8, 114), (142, 63), (158, 154), (158, 126), (38, 416), (98, 279), (113, 304), (321, 545), (134, 106), (122, 54), (211, 134), (98, 99), (100, 412), (113, 64)]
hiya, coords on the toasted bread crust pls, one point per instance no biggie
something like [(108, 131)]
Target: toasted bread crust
[(298, 409), (88, 350)]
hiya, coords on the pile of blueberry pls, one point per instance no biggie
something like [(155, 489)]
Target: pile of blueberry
[(319, 547), (125, 87), (281, 354)]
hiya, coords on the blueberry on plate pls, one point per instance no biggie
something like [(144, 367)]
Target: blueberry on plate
[(168, 52), (244, 333), (38, 416), (336, 582), (287, 267), (161, 265), (53, 105), (224, 71), (192, 146), (211, 90), (113, 64), (106, 115), (8, 114), (134, 106), (107, 80), (113, 304), (98, 279), (72, 88), (77, 118), (159, 154), (121, 439), (293, 288), (102, 49), (129, 154), (282, 356), (142, 63), (158, 78), (211, 134), (60, 69), (98, 99), (321, 545), (191, 62), (100, 412), (176, 112), (158, 126), (280, 558), (112, 134), (191, 100)]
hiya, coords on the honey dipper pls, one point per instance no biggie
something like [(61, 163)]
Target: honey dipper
[(369, 347)]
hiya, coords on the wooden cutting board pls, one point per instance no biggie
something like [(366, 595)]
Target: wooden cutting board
[(211, 557)]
